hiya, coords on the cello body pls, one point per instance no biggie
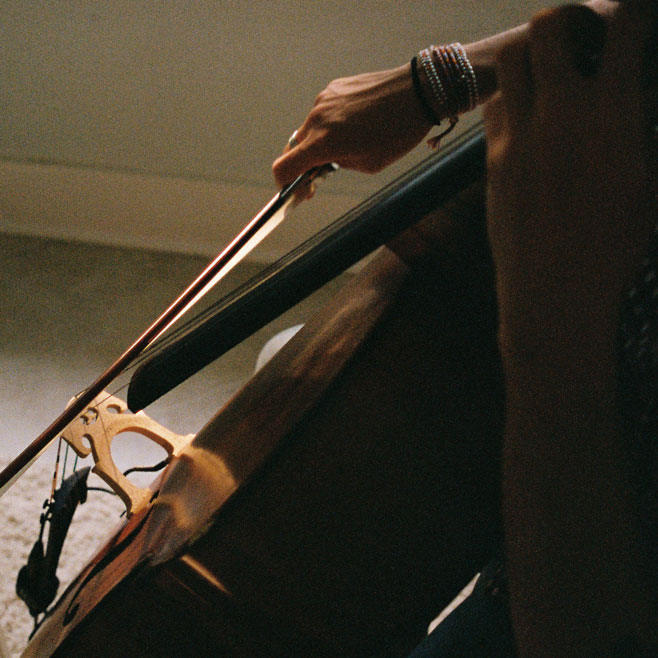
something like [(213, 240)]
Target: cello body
[(338, 502)]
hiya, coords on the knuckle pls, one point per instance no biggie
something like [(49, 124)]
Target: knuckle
[(325, 95), (546, 23), (330, 92), (316, 117)]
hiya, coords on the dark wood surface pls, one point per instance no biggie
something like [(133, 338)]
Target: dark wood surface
[(350, 516)]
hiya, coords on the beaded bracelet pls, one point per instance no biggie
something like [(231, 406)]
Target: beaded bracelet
[(418, 88), (452, 80), (433, 76), (471, 80), (457, 72)]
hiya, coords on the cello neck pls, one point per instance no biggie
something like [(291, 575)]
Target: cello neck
[(343, 243)]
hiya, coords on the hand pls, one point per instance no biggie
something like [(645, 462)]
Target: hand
[(571, 170), (368, 121), (364, 123)]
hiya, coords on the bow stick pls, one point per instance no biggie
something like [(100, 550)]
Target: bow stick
[(250, 236), (427, 186)]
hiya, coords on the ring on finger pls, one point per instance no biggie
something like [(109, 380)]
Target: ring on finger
[(293, 141)]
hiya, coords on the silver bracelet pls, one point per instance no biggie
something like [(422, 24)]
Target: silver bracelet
[(468, 73), (433, 76)]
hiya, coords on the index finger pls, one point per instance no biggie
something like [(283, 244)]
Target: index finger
[(296, 161)]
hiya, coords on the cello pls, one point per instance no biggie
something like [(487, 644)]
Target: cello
[(337, 525), (267, 575)]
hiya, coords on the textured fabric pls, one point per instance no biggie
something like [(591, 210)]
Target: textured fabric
[(638, 389)]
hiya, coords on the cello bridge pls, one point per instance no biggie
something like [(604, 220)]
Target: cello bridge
[(93, 432)]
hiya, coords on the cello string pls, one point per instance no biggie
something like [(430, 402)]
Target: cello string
[(55, 471), (269, 271), (224, 301), (175, 333), (66, 457), (158, 346), (270, 217)]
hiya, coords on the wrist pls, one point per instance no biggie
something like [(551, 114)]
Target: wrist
[(483, 56), (403, 84)]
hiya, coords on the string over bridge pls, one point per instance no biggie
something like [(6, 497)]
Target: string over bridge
[(93, 432)]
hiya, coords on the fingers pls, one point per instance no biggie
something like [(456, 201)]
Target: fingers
[(566, 45), (304, 153), (544, 68), (630, 45), (573, 43)]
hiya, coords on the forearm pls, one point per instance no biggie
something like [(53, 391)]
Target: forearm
[(482, 55), (368, 121), (578, 567)]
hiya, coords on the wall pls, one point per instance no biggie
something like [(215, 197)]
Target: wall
[(154, 123)]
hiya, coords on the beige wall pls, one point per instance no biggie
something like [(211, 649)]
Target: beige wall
[(155, 122)]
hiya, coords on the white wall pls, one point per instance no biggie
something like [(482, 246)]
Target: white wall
[(155, 122)]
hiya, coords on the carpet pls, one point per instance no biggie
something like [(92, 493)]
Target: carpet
[(20, 510)]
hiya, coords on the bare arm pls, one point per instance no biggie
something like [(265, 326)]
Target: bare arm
[(572, 194), (366, 122)]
